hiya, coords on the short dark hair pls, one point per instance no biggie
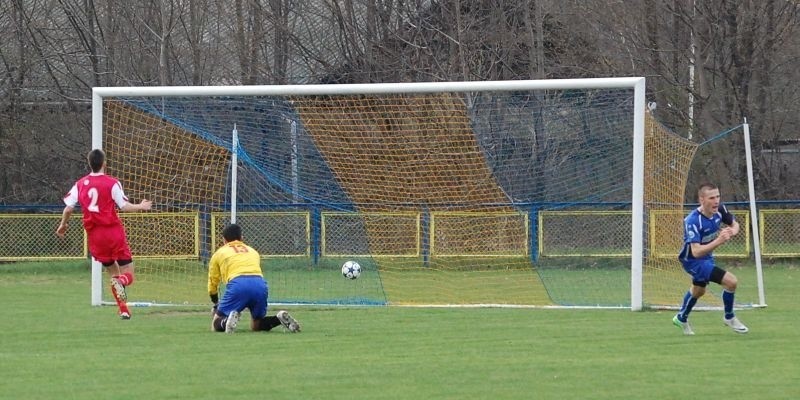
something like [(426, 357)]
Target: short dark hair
[(96, 159), (705, 186), (232, 232)]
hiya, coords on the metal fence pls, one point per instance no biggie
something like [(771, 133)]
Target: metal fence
[(29, 234)]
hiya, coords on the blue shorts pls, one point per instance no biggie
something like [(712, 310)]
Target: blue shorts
[(700, 270), (246, 291)]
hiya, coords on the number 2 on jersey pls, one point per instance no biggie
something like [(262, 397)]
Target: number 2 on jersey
[(92, 193)]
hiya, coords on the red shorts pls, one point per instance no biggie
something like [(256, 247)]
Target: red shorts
[(108, 244)]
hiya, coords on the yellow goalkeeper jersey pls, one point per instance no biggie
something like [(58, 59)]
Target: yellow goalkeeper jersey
[(231, 260)]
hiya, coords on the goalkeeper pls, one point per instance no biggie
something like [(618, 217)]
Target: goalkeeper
[(238, 266)]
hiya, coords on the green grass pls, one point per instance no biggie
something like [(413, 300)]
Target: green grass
[(56, 346)]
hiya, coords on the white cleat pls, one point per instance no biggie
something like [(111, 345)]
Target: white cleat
[(288, 322), (736, 325), (118, 290), (687, 329), (232, 321)]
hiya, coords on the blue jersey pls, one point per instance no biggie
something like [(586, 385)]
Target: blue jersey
[(697, 228)]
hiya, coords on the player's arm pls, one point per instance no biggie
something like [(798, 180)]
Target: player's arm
[(734, 228), (213, 285), (214, 277), (65, 215), (122, 201), (700, 250), (142, 206), (729, 219), (71, 199)]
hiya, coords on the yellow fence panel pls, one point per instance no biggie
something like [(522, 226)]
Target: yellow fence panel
[(780, 233), (373, 234), (669, 245), (271, 233), (479, 234), (167, 235), (588, 233), (32, 237)]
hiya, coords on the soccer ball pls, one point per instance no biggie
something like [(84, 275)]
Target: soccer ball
[(351, 270)]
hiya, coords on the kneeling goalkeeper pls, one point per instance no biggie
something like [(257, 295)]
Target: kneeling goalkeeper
[(239, 267)]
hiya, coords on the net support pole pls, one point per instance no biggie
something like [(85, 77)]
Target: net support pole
[(234, 170), (637, 197), (754, 214), (295, 157)]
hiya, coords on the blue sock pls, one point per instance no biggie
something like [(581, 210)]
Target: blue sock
[(686, 306), (727, 302)]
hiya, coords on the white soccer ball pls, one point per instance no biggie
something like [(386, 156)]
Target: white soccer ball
[(351, 270)]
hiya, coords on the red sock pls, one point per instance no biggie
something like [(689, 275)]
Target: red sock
[(123, 307), (125, 279)]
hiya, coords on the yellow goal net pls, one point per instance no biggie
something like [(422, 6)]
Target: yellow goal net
[(517, 194)]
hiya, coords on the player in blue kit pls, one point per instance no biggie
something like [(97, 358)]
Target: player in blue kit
[(702, 233), (239, 267)]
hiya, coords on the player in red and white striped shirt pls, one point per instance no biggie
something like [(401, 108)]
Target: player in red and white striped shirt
[(99, 195)]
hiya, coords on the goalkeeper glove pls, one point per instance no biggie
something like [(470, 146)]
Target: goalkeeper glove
[(215, 300)]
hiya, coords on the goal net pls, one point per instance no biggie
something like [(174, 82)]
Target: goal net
[(518, 193)]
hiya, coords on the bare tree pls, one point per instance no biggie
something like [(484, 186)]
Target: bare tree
[(743, 55)]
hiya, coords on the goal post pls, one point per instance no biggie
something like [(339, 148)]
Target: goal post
[(534, 193), (637, 197)]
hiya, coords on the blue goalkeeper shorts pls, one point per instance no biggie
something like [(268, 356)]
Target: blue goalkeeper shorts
[(246, 291)]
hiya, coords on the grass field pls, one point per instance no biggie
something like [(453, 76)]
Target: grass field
[(56, 346)]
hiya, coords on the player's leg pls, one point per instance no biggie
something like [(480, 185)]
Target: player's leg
[(114, 245), (700, 271), (690, 298), (121, 277), (258, 309), (104, 250), (117, 290), (265, 324), (233, 301), (122, 253), (225, 323), (232, 321), (288, 321), (259, 293), (281, 318), (216, 323), (681, 319), (124, 273), (729, 282)]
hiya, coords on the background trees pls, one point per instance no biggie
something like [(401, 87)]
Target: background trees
[(709, 63)]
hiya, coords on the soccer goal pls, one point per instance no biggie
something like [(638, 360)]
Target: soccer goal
[(549, 193)]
